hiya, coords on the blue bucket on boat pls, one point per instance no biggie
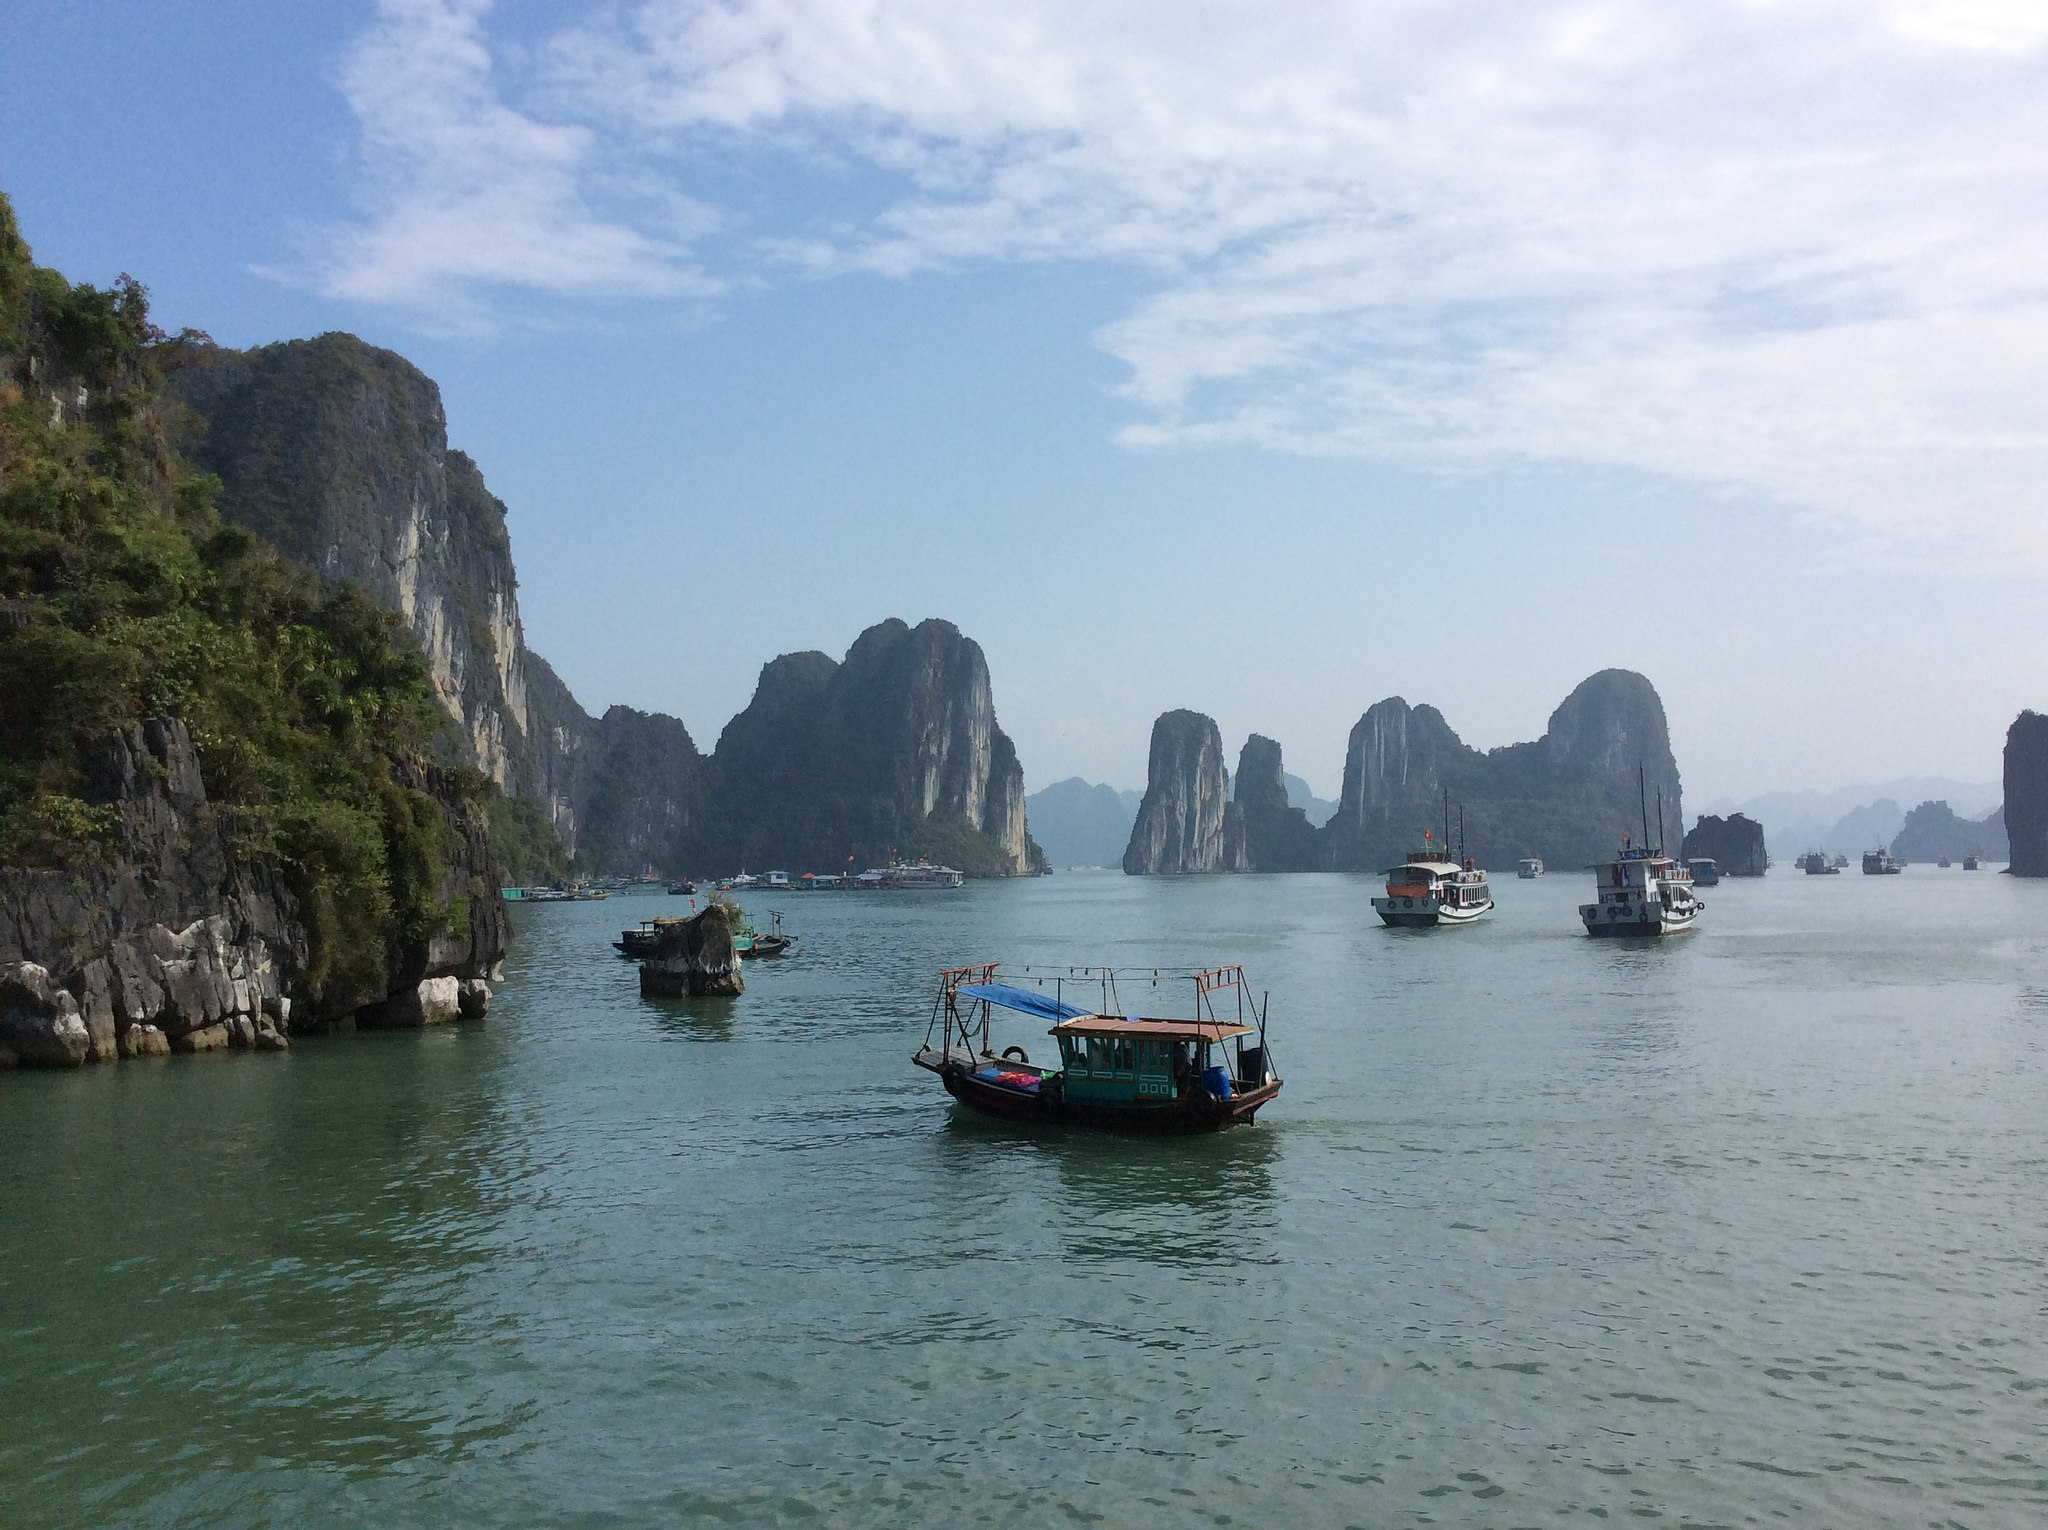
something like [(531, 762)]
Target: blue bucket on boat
[(1217, 1082)]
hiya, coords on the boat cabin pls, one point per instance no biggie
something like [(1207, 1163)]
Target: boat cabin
[(1109, 1059)]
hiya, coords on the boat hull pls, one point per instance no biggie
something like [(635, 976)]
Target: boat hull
[(1425, 913), (1191, 1114), (1666, 922)]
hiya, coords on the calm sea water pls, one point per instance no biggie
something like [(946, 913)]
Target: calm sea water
[(1743, 1227)]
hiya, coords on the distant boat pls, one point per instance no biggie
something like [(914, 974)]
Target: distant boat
[(1815, 863), (1529, 867), (1640, 894), (1879, 863), (1944, 861), (681, 889), (918, 874), (1971, 863), (1704, 872)]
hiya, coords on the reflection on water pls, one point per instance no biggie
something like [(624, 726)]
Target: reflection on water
[(707, 1019), (1744, 1226)]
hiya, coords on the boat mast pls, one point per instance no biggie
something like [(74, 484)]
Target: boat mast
[(1660, 820), (1447, 820), (1643, 801)]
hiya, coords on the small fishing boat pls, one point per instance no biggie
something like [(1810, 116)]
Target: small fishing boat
[(752, 945), (1879, 863), (1815, 863), (1704, 872), (681, 889), (1971, 863), (1119, 1072), (1529, 867), (1640, 893), (1944, 861)]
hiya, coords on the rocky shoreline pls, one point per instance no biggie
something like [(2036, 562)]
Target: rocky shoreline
[(168, 942)]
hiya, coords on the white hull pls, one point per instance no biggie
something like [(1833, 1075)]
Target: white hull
[(1637, 918), (1424, 913)]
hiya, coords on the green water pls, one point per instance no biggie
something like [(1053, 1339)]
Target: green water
[(1746, 1226)]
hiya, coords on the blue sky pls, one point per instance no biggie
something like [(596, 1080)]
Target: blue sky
[(1266, 361)]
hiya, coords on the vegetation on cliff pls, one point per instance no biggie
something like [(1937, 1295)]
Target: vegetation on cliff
[(124, 595)]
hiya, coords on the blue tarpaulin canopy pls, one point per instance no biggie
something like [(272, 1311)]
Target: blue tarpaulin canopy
[(1028, 1000)]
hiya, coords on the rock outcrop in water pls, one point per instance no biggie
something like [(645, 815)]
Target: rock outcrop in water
[(336, 453), (1277, 836), (694, 958), (1735, 844), (894, 750), (1186, 822), (2026, 794), (1568, 797)]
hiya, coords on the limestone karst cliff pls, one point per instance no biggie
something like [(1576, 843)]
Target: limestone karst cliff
[(2026, 794), (1277, 836), (172, 938), (336, 453), (224, 813), (895, 749), (1186, 822), (1735, 844), (1567, 797), (1933, 830)]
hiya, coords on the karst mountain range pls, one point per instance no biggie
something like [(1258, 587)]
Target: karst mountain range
[(336, 452)]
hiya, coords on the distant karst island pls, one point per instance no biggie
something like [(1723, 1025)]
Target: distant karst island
[(1601, 767)]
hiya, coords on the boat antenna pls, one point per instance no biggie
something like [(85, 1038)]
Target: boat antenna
[(1447, 819), (1660, 820), (1643, 801), (1461, 831)]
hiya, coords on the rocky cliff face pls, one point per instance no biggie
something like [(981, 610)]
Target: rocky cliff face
[(1568, 797), (336, 453), (1186, 822), (169, 940), (1395, 768), (1735, 844), (2026, 794), (895, 749), (1277, 836)]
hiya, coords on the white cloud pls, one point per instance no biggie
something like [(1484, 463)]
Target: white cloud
[(1797, 245), (468, 195)]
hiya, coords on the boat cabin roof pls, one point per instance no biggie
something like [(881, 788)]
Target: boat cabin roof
[(1440, 868), (1159, 1030)]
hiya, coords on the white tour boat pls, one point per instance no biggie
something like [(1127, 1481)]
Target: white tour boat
[(1529, 868), (1427, 890), (1641, 894)]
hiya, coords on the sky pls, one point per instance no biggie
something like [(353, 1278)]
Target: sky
[(1260, 359)]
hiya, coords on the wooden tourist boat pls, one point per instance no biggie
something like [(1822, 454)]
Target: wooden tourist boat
[(1120, 1072)]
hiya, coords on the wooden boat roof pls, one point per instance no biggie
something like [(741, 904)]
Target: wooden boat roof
[(1158, 1030)]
